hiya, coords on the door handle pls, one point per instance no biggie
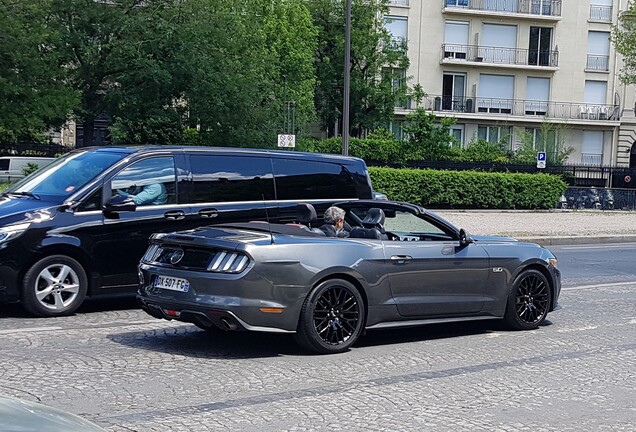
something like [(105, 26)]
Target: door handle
[(174, 215), (208, 213), (401, 259)]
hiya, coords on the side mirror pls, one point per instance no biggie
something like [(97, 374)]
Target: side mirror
[(464, 238), (120, 204)]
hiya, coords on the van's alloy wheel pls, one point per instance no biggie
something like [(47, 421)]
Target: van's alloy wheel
[(54, 286), (332, 317), (528, 300)]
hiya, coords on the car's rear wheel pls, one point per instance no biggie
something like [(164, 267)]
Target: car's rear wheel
[(528, 301), (332, 317), (54, 286)]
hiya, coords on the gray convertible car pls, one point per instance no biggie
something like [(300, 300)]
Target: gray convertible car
[(401, 266)]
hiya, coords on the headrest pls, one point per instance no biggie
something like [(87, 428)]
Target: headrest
[(373, 218), (305, 213)]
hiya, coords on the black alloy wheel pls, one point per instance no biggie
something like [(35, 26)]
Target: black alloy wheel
[(332, 317), (528, 301)]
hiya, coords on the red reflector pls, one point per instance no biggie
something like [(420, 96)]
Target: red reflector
[(171, 312)]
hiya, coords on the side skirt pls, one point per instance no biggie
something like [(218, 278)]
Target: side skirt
[(413, 323)]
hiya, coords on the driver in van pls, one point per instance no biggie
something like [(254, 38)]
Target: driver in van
[(150, 194)]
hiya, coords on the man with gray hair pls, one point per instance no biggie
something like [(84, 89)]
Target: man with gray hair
[(334, 222)]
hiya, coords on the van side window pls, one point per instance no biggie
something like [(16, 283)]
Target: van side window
[(307, 179), (231, 178), (93, 202), (147, 182)]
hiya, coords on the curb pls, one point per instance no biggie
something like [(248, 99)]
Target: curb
[(579, 240)]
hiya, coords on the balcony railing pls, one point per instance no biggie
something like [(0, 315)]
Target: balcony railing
[(591, 159), (521, 108), (600, 13), (498, 55), (531, 7), (400, 2), (597, 62)]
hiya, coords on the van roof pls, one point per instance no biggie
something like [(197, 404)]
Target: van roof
[(193, 149)]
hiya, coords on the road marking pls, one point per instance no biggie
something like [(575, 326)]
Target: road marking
[(621, 246), (598, 286), (30, 330)]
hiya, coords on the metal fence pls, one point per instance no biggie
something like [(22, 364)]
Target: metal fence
[(32, 149), (579, 198)]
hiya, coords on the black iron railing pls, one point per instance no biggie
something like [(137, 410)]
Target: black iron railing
[(531, 7), (501, 55), (521, 107), (32, 149)]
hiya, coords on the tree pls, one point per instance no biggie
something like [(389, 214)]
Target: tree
[(624, 38), (550, 138), (33, 93), (377, 70), (426, 138)]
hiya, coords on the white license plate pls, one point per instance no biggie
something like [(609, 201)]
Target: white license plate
[(172, 283)]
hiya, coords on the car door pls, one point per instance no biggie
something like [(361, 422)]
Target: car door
[(125, 234), (431, 273)]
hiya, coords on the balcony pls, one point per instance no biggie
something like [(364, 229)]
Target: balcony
[(550, 9), (601, 13), (452, 53), (493, 107), (597, 63), (591, 159), (399, 3)]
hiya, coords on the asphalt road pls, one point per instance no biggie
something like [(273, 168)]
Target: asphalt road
[(127, 371)]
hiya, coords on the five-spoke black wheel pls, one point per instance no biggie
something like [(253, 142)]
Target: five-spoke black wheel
[(528, 301), (332, 317)]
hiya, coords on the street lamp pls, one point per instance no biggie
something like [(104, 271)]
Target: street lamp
[(347, 78)]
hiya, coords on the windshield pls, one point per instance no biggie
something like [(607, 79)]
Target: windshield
[(65, 175)]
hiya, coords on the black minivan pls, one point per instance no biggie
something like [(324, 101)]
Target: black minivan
[(79, 226)]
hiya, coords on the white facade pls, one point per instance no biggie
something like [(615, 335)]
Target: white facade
[(512, 64)]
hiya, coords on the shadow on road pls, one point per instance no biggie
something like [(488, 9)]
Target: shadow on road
[(90, 305), (193, 342)]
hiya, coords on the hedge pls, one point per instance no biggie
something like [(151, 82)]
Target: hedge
[(468, 189)]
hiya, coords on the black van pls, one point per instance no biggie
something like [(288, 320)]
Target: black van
[(79, 226)]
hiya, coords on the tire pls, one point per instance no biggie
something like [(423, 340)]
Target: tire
[(45, 294), (528, 301), (332, 317)]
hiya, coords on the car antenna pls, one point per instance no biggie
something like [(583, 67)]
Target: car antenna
[(269, 225)]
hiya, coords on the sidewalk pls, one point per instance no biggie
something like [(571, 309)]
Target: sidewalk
[(548, 227)]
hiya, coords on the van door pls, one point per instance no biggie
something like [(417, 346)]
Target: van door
[(151, 183), (230, 188)]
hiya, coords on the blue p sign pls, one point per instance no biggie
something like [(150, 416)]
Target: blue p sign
[(540, 156)]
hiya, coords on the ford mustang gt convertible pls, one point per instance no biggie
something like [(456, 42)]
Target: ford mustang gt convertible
[(400, 266)]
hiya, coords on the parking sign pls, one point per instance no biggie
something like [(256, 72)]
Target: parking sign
[(541, 159)]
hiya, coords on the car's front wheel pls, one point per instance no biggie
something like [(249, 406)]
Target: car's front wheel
[(54, 286), (332, 317), (528, 300)]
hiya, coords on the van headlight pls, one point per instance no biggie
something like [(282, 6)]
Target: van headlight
[(12, 231)]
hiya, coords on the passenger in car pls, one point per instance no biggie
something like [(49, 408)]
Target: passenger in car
[(150, 194), (334, 223)]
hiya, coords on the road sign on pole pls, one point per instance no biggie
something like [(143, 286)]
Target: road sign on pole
[(286, 140), (541, 159)]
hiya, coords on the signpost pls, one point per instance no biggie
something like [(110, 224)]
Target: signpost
[(541, 159), (287, 140)]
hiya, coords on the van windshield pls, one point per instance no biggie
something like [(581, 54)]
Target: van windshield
[(65, 175)]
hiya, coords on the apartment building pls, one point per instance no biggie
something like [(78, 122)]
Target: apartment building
[(504, 66)]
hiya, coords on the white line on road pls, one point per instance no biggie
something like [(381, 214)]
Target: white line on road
[(598, 286), (621, 246)]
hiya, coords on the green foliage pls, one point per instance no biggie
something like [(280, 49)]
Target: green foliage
[(624, 38), (551, 138), (468, 189), (29, 168), (4, 186), (481, 150), (428, 140), (373, 56), (371, 149)]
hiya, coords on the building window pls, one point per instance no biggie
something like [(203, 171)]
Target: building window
[(457, 132), (537, 96), (453, 93), (398, 28), (498, 44), (601, 10), (592, 151), (397, 127), (459, 3), (455, 39), (495, 94), (598, 49), (497, 135), (539, 53)]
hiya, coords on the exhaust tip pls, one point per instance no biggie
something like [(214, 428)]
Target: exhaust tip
[(228, 325)]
